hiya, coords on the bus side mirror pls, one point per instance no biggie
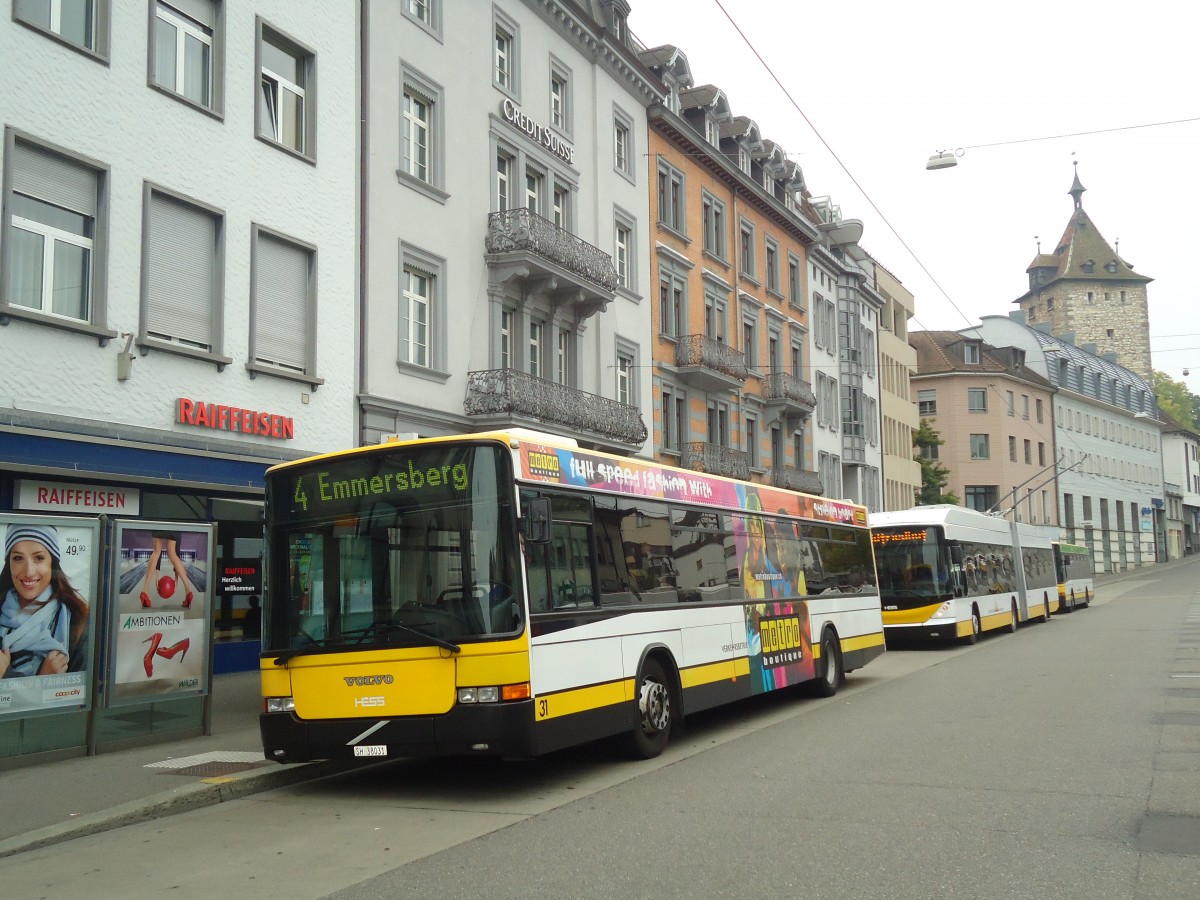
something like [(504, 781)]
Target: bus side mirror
[(956, 554), (535, 524)]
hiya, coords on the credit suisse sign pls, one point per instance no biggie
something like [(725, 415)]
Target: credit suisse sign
[(540, 133)]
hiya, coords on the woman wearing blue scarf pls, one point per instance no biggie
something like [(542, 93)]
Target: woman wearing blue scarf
[(43, 619)]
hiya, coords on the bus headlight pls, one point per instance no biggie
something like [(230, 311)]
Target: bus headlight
[(479, 694), (943, 610), (280, 704)]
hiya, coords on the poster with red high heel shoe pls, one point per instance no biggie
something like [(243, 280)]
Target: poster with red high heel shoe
[(162, 631)]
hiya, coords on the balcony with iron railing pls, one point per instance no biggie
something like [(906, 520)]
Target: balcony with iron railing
[(701, 456), (793, 478), (505, 397), (708, 364), (542, 256), (790, 397)]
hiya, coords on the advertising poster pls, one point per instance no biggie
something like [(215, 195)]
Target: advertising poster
[(47, 594), (778, 631), (161, 631)]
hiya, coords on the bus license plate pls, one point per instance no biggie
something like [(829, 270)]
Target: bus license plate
[(370, 749)]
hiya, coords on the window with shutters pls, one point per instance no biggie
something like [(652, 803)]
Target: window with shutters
[(79, 24), (182, 258), (283, 307), (54, 218), (187, 49)]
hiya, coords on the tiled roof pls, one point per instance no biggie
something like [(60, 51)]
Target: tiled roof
[(940, 352)]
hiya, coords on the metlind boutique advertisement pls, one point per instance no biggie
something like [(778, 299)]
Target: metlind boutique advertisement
[(162, 627), (47, 586)]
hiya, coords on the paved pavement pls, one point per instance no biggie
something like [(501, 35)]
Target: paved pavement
[(70, 798)]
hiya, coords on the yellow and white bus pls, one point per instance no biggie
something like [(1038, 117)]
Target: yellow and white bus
[(950, 573), (1076, 574), (510, 593)]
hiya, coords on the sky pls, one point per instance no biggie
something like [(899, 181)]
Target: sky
[(862, 94)]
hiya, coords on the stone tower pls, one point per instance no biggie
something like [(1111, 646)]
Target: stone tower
[(1085, 289)]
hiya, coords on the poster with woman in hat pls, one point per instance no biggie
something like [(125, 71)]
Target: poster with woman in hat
[(47, 575)]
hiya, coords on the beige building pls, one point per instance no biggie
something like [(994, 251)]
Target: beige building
[(997, 420), (897, 406)]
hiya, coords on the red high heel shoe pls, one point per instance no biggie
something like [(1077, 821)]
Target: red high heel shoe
[(148, 660), (181, 648), (145, 598), (187, 601)]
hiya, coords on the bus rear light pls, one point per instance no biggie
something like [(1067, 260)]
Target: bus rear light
[(516, 692)]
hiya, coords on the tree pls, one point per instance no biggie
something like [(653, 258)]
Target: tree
[(933, 474), (1176, 400)]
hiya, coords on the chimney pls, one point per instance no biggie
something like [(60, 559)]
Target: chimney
[(1089, 348), (1044, 328), (1017, 315), (1067, 337), (1109, 355)]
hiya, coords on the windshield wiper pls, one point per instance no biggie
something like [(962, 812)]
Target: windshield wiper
[(362, 634)]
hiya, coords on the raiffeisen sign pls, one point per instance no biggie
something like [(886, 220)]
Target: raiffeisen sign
[(539, 133)]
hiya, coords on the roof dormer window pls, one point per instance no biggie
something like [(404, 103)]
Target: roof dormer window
[(971, 353), (743, 160)]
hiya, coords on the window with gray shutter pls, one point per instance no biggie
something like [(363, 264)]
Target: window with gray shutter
[(54, 179), (181, 273), (282, 292)]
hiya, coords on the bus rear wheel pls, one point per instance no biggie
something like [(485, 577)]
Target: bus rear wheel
[(1045, 607), (830, 673), (1071, 603), (1012, 625), (1087, 598), (651, 712)]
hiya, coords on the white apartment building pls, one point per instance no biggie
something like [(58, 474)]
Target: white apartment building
[(506, 210), (1110, 475), (178, 253)]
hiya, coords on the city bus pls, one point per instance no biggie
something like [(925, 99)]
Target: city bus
[(950, 573), (511, 593), (1076, 571)]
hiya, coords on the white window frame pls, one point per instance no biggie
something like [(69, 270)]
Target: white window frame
[(506, 51), (562, 106), (417, 86), (623, 145), (977, 400), (415, 260), (208, 31), (508, 325), (535, 345), (713, 219), (505, 165), (980, 446), (426, 14), (273, 116), (95, 44), (62, 179), (672, 198), (626, 373)]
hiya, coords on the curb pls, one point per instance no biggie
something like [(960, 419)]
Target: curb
[(208, 792)]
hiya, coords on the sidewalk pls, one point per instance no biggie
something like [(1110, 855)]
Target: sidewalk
[(71, 798), (89, 794)]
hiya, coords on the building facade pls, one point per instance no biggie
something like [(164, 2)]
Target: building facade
[(506, 212), (1181, 468), (729, 269), (995, 415), (1110, 481), (897, 405), (177, 257)]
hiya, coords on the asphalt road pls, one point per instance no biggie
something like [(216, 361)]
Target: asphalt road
[(1063, 761)]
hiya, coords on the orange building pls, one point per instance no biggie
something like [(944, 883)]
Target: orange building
[(729, 267)]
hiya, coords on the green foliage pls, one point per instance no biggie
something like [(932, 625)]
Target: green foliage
[(933, 474), (1176, 400)]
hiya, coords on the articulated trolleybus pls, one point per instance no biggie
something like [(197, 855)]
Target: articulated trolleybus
[(948, 572), (1076, 574), (510, 593)]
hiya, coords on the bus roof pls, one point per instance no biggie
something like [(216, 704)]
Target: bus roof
[(968, 523)]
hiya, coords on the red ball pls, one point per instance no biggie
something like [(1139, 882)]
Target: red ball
[(166, 586)]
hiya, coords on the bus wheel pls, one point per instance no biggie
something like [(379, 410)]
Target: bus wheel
[(976, 627), (1087, 598), (830, 674), (1071, 604), (651, 712), (1012, 625), (1045, 607)]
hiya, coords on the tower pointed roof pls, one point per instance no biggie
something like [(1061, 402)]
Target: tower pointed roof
[(1082, 252)]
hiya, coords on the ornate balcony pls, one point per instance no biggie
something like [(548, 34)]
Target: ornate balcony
[(541, 257), (789, 397), (716, 460), (707, 364), (794, 479), (506, 397)]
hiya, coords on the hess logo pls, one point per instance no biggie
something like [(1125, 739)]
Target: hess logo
[(368, 701)]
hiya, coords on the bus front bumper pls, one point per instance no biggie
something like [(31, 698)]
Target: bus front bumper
[(493, 729)]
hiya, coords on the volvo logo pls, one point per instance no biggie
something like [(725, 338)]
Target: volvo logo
[(361, 680)]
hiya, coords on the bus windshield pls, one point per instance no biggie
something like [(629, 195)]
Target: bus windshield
[(912, 566), (401, 546)]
